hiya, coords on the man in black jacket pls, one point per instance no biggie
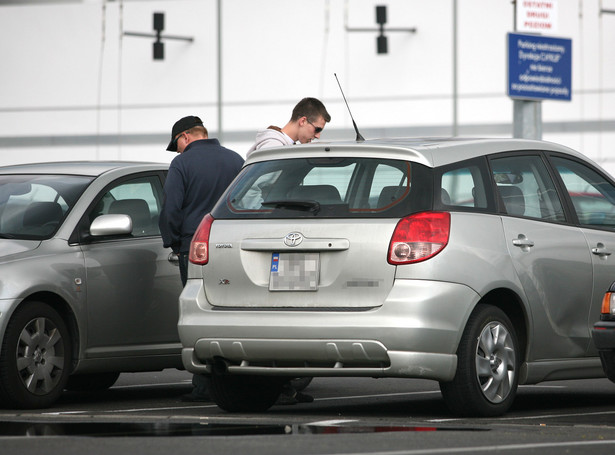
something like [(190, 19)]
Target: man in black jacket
[(197, 178)]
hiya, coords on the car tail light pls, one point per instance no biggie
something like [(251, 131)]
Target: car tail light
[(419, 237), (199, 247), (608, 304)]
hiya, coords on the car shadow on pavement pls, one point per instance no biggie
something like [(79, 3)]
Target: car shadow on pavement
[(530, 401), (124, 394), (558, 400)]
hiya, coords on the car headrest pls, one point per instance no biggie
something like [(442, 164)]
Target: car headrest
[(513, 199), (324, 194), (40, 213), (137, 209), (390, 194)]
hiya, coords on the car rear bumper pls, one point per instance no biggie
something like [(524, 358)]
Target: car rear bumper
[(440, 367), (603, 335), (414, 333)]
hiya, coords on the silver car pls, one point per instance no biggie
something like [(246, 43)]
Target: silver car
[(478, 263), (86, 288)]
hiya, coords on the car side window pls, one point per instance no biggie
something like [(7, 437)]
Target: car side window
[(463, 187), (592, 195), (526, 189), (138, 198)]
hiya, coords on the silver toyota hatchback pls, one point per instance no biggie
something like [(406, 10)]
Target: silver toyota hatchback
[(478, 263)]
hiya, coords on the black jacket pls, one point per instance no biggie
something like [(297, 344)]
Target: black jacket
[(196, 180)]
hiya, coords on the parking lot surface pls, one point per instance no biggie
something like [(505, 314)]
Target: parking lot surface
[(144, 413)]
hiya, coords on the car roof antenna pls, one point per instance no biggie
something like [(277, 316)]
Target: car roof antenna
[(359, 137)]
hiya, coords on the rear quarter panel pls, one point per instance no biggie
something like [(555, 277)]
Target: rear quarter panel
[(476, 256)]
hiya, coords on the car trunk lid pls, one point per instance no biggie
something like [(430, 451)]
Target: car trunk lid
[(299, 264)]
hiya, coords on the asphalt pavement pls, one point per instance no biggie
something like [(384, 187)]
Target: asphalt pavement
[(143, 414)]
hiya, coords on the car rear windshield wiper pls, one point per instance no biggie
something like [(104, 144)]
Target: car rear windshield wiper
[(293, 204)]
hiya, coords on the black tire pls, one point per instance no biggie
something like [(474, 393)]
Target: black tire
[(35, 358), (300, 384), (485, 384), (91, 382), (239, 393), (607, 358)]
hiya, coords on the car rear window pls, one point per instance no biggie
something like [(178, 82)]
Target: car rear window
[(327, 187)]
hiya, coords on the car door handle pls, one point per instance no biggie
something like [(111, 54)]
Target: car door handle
[(523, 242), (600, 250)]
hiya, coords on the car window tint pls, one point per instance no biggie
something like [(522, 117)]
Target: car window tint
[(33, 206), (592, 196), (139, 198), (323, 187), (252, 198), (459, 188), (389, 186), (526, 189), (338, 176)]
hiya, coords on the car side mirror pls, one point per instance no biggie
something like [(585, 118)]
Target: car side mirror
[(105, 225)]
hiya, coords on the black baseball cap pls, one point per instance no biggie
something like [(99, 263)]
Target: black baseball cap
[(180, 126)]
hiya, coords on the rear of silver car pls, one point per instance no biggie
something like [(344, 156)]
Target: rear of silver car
[(470, 262), (359, 321), (321, 285)]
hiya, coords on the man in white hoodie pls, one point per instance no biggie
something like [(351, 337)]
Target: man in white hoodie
[(307, 121)]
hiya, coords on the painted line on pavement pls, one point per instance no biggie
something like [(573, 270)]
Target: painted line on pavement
[(490, 448)]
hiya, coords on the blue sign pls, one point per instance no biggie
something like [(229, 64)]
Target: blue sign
[(539, 67)]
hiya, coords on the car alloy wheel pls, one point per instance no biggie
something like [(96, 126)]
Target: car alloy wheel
[(495, 362), (35, 358), (485, 383)]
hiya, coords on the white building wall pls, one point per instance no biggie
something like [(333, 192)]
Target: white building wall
[(72, 86)]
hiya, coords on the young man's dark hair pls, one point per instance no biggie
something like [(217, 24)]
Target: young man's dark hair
[(310, 108)]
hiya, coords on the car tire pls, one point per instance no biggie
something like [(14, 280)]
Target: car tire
[(91, 382), (607, 358), (245, 393), (487, 375), (35, 358), (300, 384)]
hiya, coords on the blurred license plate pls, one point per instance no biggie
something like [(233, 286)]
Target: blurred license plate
[(294, 272)]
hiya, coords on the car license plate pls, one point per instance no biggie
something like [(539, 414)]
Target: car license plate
[(294, 272)]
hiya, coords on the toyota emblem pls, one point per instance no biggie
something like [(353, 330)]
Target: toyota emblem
[(293, 239)]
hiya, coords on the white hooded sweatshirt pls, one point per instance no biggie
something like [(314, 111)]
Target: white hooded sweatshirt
[(270, 137)]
